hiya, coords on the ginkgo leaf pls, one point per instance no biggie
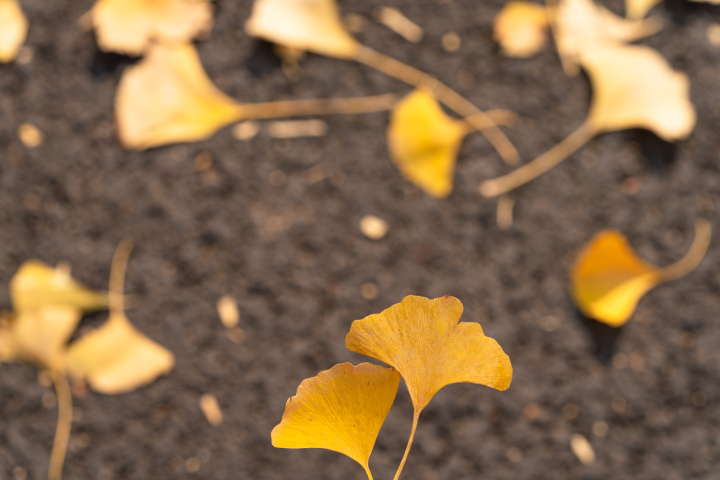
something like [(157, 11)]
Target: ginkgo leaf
[(521, 28), (129, 26), (637, 9), (635, 87), (424, 142), (423, 340), (341, 409), (116, 358), (168, 98), (608, 279), (582, 26), (312, 25), (36, 284), (13, 29)]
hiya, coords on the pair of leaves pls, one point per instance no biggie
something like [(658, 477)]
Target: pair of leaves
[(13, 29), (608, 278), (342, 409)]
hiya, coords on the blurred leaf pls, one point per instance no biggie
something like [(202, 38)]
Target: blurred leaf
[(168, 98), (130, 26), (341, 409), (637, 9), (311, 25), (635, 87), (582, 26), (608, 279), (13, 29), (423, 340), (521, 28), (36, 284), (424, 142)]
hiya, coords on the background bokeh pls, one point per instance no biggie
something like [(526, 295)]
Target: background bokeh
[(293, 256)]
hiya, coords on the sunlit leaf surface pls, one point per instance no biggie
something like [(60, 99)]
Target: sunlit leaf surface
[(423, 340), (521, 28), (13, 29)]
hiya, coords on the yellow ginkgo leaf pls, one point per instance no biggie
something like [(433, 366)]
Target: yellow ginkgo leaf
[(423, 340), (168, 98), (13, 29), (521, 28), (342, 409), (637, 9), (635, 87), (312, 25), (582, 26), (129, 26), (117, 358), (424, 142), (36, 284), (608, 279)]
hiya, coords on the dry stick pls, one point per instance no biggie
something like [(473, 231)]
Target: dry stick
[(445, 94), (687, 264), (489, 118), (62, 431), (117, 277), (540, 165), (293, 108), (416, 416)]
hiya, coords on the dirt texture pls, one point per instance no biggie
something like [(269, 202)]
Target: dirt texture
[(294, 258)]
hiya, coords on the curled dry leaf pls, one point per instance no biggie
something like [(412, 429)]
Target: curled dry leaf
[(36, 284), (582, 26), (424, 142), (342, 409), (608, 278), (423, 340), (521, 28), (637, 9), (13, 29), (130, 26)]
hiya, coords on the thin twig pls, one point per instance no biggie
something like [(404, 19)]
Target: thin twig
[(117, 276), (62, 432), (327, 106), (703, 232)]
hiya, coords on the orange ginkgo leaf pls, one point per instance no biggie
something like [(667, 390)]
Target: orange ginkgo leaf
[(583, 26), (341, 409), (36, 284), (129, 26), (608, 279), (13, 29), (424, 142), (521, 28)]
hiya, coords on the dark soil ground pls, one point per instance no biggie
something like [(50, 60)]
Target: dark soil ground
[(295, 260)]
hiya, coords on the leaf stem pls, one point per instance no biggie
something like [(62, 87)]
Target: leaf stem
[(117, 276), (416, 416), (62, 431), (703, 232), (444, 94), (328, 106), (546, 161)]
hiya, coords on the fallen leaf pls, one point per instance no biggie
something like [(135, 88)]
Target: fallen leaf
[(211, 409), (36, 284), (30, 135), (424, 142), (168, 98), (13, 29), (521, 29), (312, 25), (373, 227), (637, 9), (228, 311), (582, 449), (423, 340), (130, 26), (608, 279), (582, 26), (341, 409)]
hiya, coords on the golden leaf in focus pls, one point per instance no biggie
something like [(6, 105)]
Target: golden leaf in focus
[(311, 25), (635, 87), (36, 284), (637, 9), (423, 340), (168, 98), (608, 279), (116, 358), (13, 29), (521, 28), (424, 142), (583, 26), (341, 409), (130, 26)]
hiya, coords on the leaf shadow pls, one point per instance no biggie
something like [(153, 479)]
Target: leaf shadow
[(604, 337), (263, 60), (682, 11), (659, 153), (109, 63)]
